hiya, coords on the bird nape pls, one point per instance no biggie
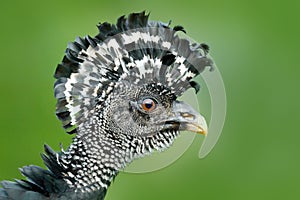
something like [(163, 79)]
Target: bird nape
[(117, 93)]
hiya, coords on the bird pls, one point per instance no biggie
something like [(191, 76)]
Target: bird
[(117, 95)]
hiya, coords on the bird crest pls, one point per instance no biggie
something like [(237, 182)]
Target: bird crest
[(134, 51)]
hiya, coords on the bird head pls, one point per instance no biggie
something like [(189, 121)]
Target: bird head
[(123, 84)]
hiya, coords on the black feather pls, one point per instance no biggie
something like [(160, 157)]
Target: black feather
[(179, 28), (195, 85)]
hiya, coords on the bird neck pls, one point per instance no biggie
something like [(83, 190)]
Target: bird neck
[(92, 162), (94, 159)]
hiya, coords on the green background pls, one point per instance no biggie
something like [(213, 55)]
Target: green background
[(256, 47)]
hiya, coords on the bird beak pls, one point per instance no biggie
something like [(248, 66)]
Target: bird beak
[(188, 118)]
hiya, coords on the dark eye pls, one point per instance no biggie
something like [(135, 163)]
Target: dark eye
[(148, 104)]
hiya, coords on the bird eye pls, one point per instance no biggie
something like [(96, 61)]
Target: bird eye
[(148, 105)]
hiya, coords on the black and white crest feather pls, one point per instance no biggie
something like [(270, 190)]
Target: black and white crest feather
[(134, 50)]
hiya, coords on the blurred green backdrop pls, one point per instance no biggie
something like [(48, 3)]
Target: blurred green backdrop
[(256, 47)]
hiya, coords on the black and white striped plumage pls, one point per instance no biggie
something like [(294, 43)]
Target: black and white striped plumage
[(117, 93)]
